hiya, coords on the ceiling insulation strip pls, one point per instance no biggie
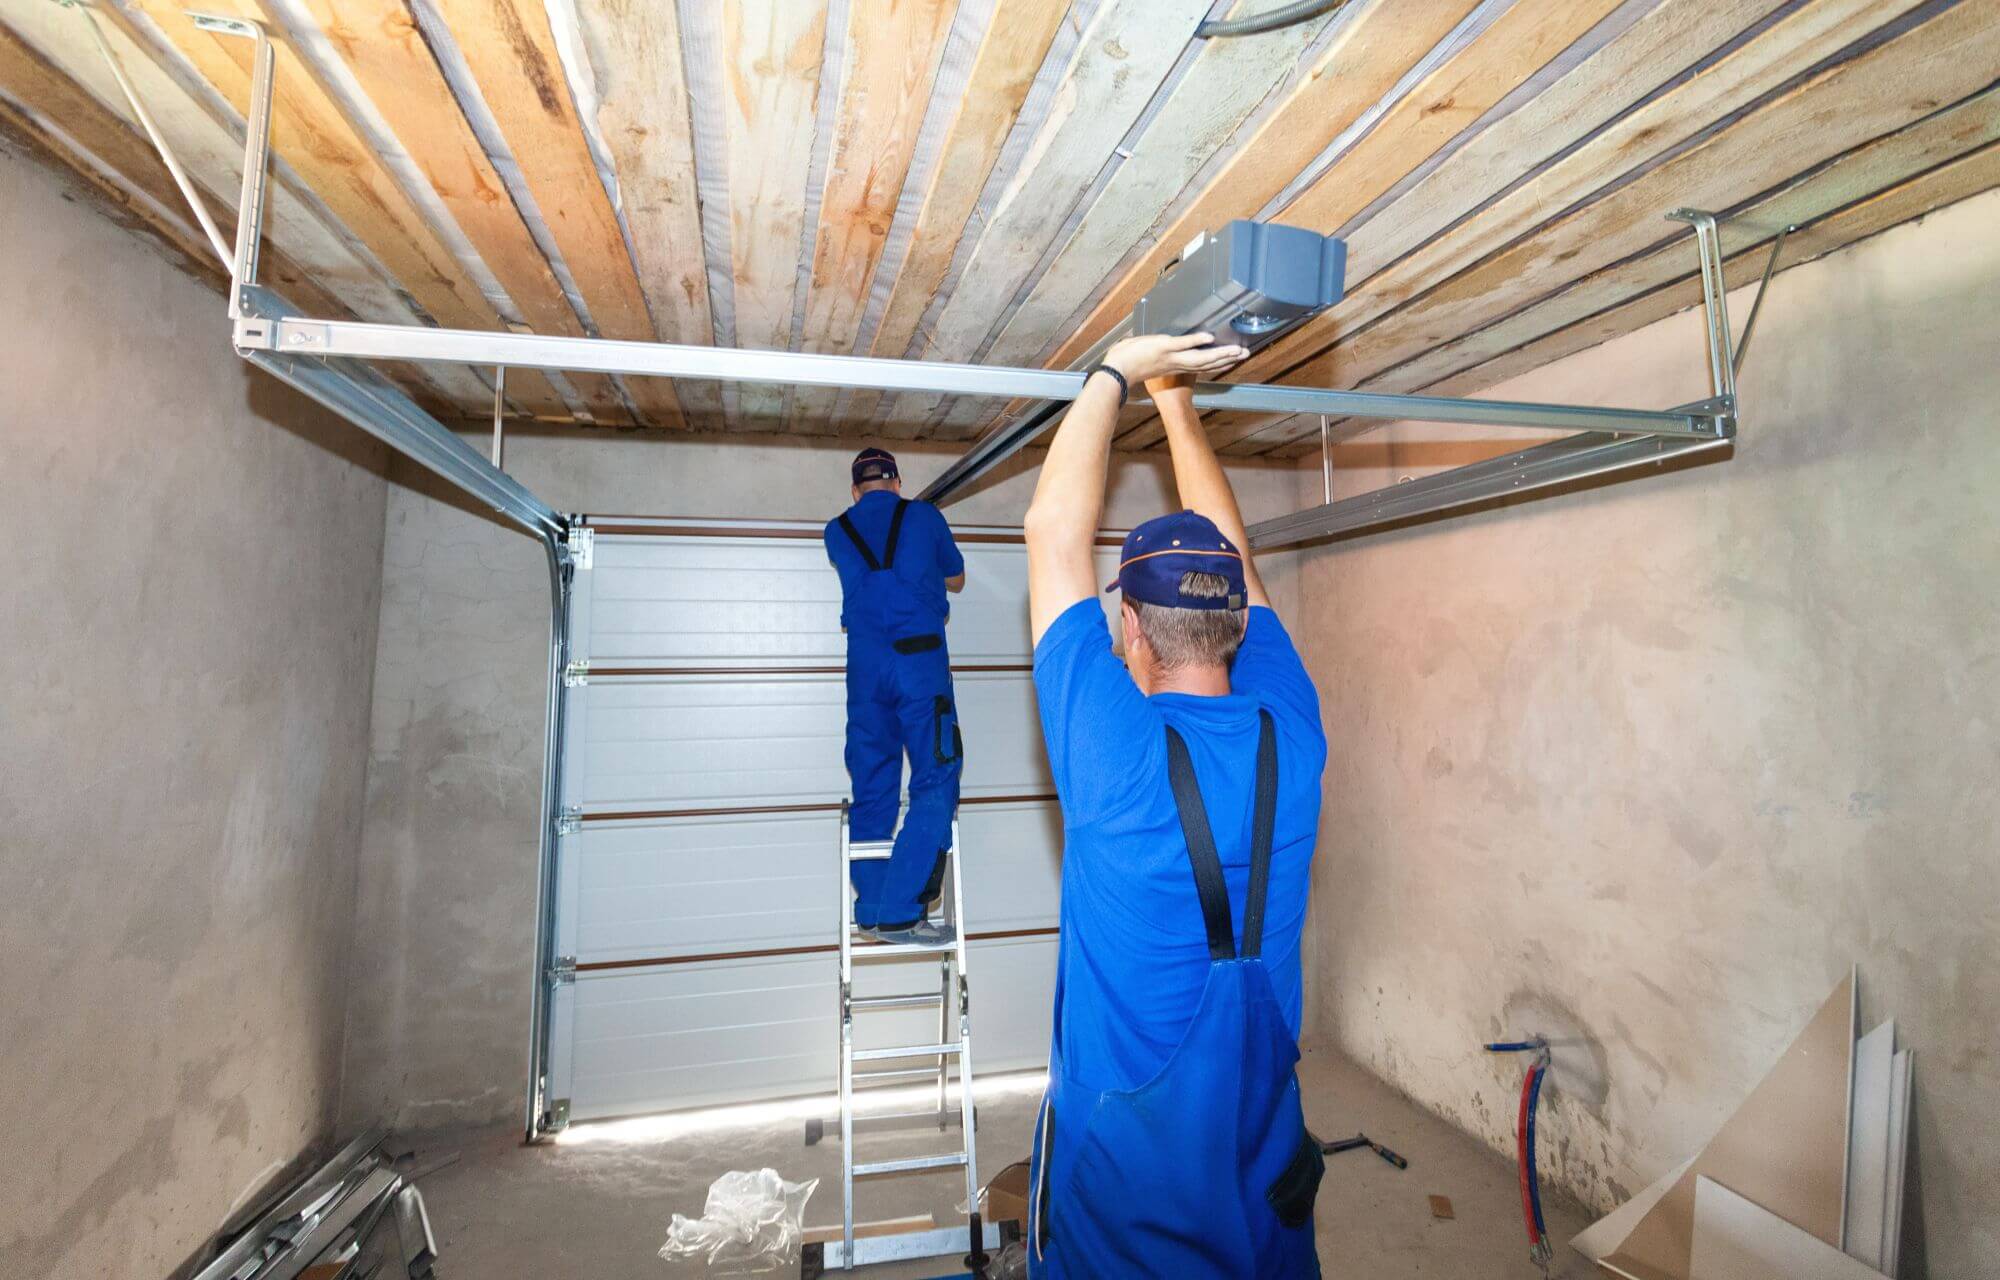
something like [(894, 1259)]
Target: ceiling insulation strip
[(826, 117)]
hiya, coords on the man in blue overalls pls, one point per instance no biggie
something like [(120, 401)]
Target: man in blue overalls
[(1171, 1140), (896, 561)]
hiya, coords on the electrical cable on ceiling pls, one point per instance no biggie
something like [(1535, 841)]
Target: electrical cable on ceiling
[(1285, 15)]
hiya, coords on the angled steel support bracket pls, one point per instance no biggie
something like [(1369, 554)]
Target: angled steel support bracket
[(1586, 455)]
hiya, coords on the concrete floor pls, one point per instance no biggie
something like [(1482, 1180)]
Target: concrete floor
[(597, 1203)]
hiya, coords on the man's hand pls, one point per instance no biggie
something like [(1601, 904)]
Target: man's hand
[(1158, 355)]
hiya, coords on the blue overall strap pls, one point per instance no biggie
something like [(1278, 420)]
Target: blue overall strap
[(888, 550), (1208, 881)]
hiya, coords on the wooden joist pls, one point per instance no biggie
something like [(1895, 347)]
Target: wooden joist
[(771, 53), (1377, 44), (893, 49), (511, 52), (1225, 84), (1010, 53), (1890, 86), (1934, 150), (54, 65), (1123, 56), (380, 43), (635, 52), (1670, 120)]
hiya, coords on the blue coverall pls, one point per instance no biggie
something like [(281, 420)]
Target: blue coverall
[(893, 556)]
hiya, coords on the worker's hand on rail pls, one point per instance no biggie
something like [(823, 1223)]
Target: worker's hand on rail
[(1160, 355)]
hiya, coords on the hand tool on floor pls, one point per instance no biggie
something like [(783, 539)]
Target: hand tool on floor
[(1363, 1140)]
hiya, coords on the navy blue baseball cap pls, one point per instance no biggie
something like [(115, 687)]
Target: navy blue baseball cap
[(874, 464), (1158, 552)]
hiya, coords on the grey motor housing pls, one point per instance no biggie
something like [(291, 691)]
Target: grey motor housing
[(1249, 283)]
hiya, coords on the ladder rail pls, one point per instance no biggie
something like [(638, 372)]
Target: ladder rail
[(953, 995)]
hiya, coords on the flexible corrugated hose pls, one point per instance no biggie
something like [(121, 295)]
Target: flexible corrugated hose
[(1284, 15)]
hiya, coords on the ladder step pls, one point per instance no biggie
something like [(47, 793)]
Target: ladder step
[(895, 1002), (897, 1073), (909, 1051), (874, 1167), (866, 948), (864, 850)]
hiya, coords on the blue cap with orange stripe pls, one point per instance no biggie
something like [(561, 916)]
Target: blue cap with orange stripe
[(1160, 552)]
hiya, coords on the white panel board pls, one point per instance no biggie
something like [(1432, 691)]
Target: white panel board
[(1900, 1080), (707, 740), (705, 1034), (739, 601), (685, 1018), (1601, 1239), (1868, 1145), (1735, 1239), (750, 882)]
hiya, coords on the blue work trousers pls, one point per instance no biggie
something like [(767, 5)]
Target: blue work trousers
[(900, 704)]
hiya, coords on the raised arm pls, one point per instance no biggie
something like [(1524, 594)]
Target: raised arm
[(1062, 521), (1198, 474)]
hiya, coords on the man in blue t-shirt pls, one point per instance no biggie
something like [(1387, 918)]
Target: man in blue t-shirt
[(896, 560), (1171, 1140)]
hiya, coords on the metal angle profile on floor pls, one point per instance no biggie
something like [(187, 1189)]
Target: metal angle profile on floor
[(325, 359)]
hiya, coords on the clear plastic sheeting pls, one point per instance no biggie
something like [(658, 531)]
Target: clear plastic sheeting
[(753, 1222)]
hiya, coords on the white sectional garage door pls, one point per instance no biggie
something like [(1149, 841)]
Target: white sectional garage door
[(698, 872)]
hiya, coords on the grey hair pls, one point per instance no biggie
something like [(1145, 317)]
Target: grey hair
[(1193, 637)]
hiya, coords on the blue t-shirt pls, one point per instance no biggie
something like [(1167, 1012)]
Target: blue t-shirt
[(1133, 954), (925, 552)]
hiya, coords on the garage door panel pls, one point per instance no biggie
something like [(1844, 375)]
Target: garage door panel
[(702, 741), (705, 600), (698, 886), (712, 702), (706, 1034)]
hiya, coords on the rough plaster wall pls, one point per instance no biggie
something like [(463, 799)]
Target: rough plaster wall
[(1646, 768), (187, 642), (438, 1027)]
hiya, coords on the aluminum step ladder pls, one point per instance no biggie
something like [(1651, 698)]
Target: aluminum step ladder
[(953, 1001)]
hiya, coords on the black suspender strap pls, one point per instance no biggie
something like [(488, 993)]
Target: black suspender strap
[(1201, 849), (895, 532), (854, 535), (1207, 864), (889, 549), (1263, 828)]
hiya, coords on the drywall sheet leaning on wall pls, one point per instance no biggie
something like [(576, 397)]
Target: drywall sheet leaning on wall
[(1868, 1145), (1736, 1240), (1787, 1143)]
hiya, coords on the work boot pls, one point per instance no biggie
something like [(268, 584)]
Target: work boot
[(926, 933)]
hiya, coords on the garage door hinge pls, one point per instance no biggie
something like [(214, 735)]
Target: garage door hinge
[(563, 970), (576, 673), (571, 821), (582, 545)]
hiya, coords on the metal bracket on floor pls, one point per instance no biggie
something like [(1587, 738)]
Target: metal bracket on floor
[(556, 1118)]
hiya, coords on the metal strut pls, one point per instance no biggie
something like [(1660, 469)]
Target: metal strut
[(1585, 455)]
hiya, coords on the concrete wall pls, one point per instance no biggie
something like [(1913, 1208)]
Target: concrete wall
[(438, 1028), (187, 638), (1646, 768)]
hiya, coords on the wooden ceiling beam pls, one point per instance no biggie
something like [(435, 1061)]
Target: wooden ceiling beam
[(635, 53), (1010, 55), (511, 52), (771, 55), (1119, 63), (1376, 46), (381, 44), (1885, 89), (1968, 175), (121, 164), (893, 49), (1389, 277), (1227, 81)]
